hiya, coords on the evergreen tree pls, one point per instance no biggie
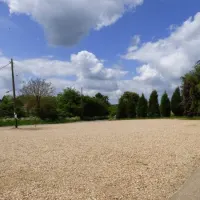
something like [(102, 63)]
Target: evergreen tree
[(176, 103), (153, 109), (142, 107), (121, 109), (127, 105), (165, 107)]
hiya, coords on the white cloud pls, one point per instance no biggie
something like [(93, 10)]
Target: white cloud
[(66, 21), (166, 60), (84, 69), (162, 64), (134, 43)]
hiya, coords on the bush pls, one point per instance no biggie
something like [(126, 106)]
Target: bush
[(35, 120)]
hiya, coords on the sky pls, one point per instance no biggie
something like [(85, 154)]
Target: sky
[(107, 46)]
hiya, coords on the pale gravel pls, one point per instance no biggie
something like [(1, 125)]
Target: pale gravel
[(136, 160)]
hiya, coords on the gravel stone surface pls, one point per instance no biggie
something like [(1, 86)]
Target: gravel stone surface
[(130, 160)]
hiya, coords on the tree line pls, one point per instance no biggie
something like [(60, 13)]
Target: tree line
[(37, 99)]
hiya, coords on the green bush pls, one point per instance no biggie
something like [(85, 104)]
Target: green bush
[(34, 120)]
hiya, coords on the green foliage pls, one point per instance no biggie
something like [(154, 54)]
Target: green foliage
[(191, 92), (35, 121), (127, 105), (165, 107), (37, 88), (7, 107), (112, 110), (142, 107), (37, 100), (121, 110), (176, 103), (48, 109), (103, 98), (153, 108), (93, 107), (69, 103)]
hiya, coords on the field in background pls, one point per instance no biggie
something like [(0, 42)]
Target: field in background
[(139, 159)]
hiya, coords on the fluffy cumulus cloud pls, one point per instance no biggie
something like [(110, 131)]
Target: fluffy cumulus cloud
[(84, 69), (166, 60), (65, 22), (162, 64)]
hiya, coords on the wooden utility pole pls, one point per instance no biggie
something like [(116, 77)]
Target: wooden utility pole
[(82, 104), (14, 94)]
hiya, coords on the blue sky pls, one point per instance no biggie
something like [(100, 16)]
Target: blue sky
[(41, 36)]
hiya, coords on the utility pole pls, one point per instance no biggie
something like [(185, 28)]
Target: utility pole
[(81, 103), (14, 94)]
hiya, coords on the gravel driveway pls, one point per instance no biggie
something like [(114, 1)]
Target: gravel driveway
[(136, 160)]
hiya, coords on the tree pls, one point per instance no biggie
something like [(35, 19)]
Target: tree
[(6, 107), (121, 109), (69, 103), (38, 89), (127, 105), (153, 109), (142, 107), (48, 109), (191, 92), (103, 98), (176, 103), (113, 110), (94, 107), (165, 107)]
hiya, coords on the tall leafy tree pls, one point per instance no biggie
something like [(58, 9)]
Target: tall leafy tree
[(153, 109), (176, 103), (191, 92), (165, 107), (103, 98), (69, 103), (142, 107), (37, 88), (94, 107)]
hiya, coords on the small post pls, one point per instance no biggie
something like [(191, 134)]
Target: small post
[(14, 94)]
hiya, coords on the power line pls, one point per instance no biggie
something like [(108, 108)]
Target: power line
[(4, 66)]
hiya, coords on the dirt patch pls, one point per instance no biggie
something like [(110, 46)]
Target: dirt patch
[(139, 159)]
